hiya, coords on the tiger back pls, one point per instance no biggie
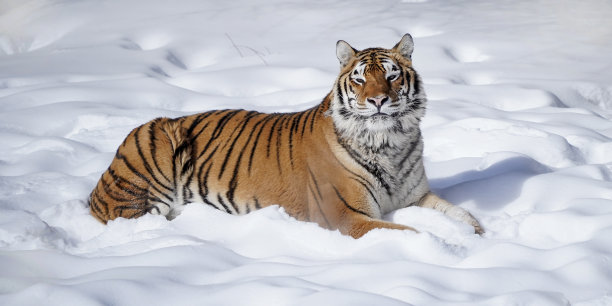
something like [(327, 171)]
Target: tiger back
[(342, 164)]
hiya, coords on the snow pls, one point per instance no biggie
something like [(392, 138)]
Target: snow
[(518, 132)]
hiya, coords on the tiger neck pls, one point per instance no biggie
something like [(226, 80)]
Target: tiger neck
[(385, 162)]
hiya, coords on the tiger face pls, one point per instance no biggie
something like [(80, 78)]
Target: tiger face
[(378, 95)]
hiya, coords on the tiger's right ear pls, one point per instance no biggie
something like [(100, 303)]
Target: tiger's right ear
[(344, 52), (405, 46)]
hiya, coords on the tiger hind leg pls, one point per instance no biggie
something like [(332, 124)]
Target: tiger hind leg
[(175, 138), (433, 201), (147, 174)]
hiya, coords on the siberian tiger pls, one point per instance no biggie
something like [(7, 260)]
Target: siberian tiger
[(342, 164)]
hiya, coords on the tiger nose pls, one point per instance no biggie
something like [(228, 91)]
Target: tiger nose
[(378, 101)]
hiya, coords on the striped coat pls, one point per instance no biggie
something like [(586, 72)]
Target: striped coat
[(342, 164)]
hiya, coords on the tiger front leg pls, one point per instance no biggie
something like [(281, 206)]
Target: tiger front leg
[(346, 210), (433, 201)]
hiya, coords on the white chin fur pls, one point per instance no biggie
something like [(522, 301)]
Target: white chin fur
[(379, 124), (376, 132)]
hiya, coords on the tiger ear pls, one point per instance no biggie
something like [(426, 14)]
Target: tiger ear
[(344, 52), (405, 46)]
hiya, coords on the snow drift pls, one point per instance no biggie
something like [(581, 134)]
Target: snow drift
[(518, 132)]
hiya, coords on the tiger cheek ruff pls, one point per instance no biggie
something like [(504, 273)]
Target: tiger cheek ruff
[(342, 164)]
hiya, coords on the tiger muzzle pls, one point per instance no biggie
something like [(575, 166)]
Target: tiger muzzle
[(378, 101)]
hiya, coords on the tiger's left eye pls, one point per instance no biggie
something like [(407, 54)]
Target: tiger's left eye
[(392, 77)]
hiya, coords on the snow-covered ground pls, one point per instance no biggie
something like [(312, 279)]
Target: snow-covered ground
[(518, 131)]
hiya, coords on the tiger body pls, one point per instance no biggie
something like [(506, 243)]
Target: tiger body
[(342, 164)]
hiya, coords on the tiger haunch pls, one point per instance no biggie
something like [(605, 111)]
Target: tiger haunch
[(342, 164)]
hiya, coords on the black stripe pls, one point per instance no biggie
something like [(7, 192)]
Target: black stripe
[(315, 183), (123, 207), (198, 120), (118, 179), (95, 209), (413, 147), (339, 93), (153, 147), (183, 146), (207, 160), (117, 197), (144, 160), (106, 206), (228, 154), (312, 120), (361, 180), (201, 168), (301, 115), (218, 129), (194, 137), (120, 195), (220, 199), (314, 196), (355, 174), (346, 114), (256, 142), (235, 129), (121, 157), (421, 178), (175, 180), (203, 187), (180, 150), (231, 192), (248, 141), (308, 113), (257, 205), (369, 191), (293, 126), (346, 204), (373, 169), (277, 117), (186, 192), (279, 137), (223, 121), (95, 201), (417, 83), (153, 198), (187, 166), (346, 90), (405, 173), (137, 214)]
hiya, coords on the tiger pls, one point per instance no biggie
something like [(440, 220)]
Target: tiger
[(343, 164)]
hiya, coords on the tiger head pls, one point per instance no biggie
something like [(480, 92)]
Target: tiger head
[(378, 97)]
